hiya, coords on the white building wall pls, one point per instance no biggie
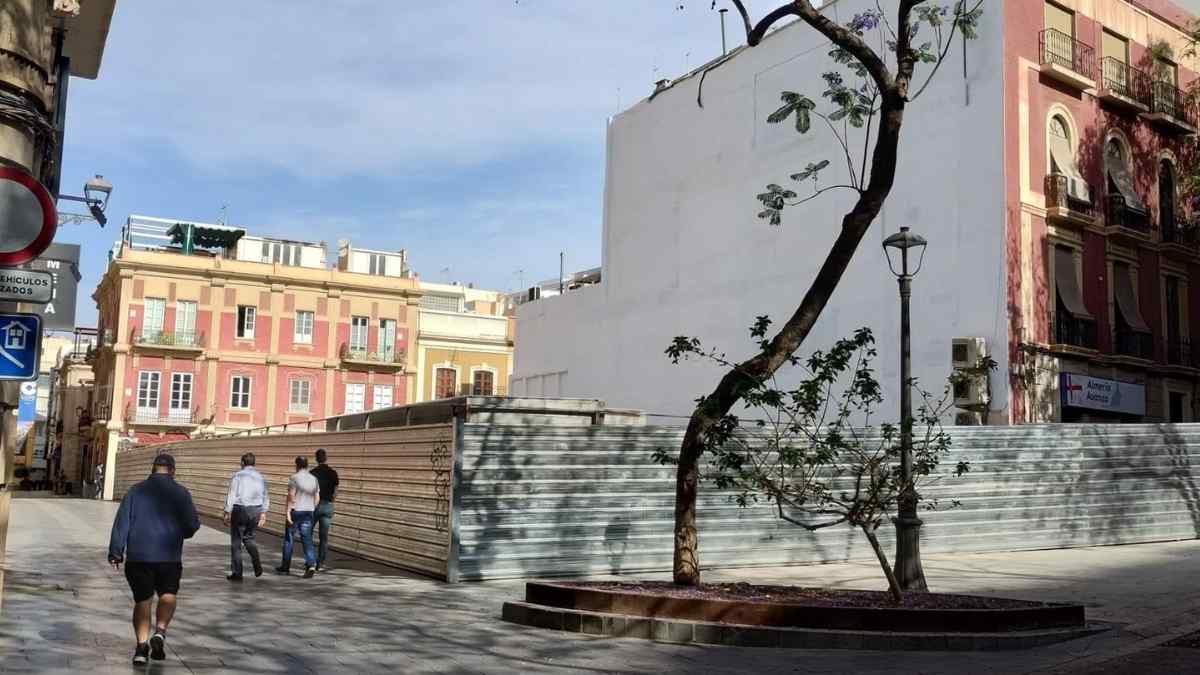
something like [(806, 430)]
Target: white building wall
[(685, 254)]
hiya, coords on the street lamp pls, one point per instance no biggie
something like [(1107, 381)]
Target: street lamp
[(907, 566), (95, 194)]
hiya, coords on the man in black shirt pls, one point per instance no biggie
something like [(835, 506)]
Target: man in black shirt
[(327, 480)]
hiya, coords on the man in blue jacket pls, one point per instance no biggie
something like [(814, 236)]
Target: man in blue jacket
[(155, 517)]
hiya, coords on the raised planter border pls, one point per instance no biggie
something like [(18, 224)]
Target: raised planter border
[(859, 619), (734, 635)]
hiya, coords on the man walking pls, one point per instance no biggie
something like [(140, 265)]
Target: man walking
[(327, 479), (155, 517), (304, 494), (246, 508)]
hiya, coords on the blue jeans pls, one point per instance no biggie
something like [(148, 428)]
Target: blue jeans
[(302, 524), (324, 515)]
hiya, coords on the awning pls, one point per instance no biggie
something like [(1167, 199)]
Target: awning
[(1067, 283), (1118, 173), (1064, 161), (1126, 300)]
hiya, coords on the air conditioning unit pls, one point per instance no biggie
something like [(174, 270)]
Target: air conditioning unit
[(970, 392), (966, 419), (965, 352)]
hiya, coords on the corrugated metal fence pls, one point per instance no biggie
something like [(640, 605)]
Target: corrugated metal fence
[(543, 501), (494, 501), (393, 504)]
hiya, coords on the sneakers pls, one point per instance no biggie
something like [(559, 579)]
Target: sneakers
[(158, 644), (309, 572), (141, 655), (234, 577)]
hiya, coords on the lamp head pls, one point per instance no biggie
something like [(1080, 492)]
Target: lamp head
[(97, 190), (903, 242)]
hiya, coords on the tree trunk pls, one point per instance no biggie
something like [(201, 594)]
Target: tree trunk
[(739, 380), (893, 584)]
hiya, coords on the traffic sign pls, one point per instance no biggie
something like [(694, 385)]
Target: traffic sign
[(26, 286), (20, 345), (28, 219)]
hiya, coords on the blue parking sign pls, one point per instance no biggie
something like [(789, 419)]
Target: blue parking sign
[(20, 345)]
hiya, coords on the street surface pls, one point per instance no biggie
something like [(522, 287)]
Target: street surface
[(64, 611)]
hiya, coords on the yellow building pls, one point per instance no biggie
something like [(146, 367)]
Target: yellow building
[(464, 343)]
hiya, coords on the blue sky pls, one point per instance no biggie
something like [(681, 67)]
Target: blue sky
[(470, 133)]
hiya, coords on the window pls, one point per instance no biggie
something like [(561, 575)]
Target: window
[(1173, 306), (1175, 406), (358, 333), (387, 339), (1132, 333), (301, 393), (1062, 159), (1073, 324), (185, 321), (245, 321), (356, 395), (484, 384), (441, 303), (181, 396), (281, 252), (1120, 179), (382, 397), (152, 324), (304, 327), (1115, 47), (239, 392), (1058, 40), (1060, 19), (1166, 202), (378, 264), (1166, 71), (446, 382), (1114, 66), (147, 393)]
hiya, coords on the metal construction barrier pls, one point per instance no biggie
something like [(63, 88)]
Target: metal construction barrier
[(466, 501)]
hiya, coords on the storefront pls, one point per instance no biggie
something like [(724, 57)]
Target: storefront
[(1095, 399)]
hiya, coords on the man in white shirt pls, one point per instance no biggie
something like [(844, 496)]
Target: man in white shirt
[(246, 508), (304, 493)]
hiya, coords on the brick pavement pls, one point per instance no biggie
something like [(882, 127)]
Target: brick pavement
[(64, 611)]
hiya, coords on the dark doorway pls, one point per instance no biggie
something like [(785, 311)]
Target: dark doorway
[(1175, 406)]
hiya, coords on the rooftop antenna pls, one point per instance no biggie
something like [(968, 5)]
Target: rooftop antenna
[(561, 255), (223, 215), (722, 12)]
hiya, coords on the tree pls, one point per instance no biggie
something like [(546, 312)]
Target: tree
[(1190, 171), (881, 88), (812, 452)]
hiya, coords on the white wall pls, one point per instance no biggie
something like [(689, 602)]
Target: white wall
[(684, 253)]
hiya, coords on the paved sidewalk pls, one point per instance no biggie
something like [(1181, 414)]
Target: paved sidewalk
[(65, 611)]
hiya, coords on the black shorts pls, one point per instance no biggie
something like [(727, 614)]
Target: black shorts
[(147, 578)]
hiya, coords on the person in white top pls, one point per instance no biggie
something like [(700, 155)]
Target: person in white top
[(246, 508), (304, 493)]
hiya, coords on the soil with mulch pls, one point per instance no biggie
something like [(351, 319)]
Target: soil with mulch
[(811, 597)]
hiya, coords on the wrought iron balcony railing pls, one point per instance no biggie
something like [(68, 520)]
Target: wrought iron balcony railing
[(1120, 214), (1134, 343), (158, 338), (1058, 195), (1074, 332), (1167, 99), (1124, 80), (1063, 50)]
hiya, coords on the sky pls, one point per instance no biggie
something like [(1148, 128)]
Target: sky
[(469, 133)]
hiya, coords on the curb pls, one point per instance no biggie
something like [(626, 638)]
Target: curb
[(735, 635)]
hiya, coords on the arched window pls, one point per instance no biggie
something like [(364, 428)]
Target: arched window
[(1166, 199), (1120, 175), (1062, 158)]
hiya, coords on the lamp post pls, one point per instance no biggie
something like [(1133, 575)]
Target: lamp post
[(95, 195), (907, 565)]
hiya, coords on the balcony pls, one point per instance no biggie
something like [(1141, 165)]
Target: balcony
[(1180, 239), (146, 417), (179, 341), (1180, 354), (1070, 331), (1067, 60), (1063, 207), (362, 359), (1125, 222), (1134, 344), (1123, 86), (1170, 109)]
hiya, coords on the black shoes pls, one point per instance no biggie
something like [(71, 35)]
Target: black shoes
[(234, 577), (282, 570), (158, 644), (141, 655), (257, 568), (309, 572)]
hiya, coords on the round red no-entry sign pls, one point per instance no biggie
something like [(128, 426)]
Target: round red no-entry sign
[(28, 218)]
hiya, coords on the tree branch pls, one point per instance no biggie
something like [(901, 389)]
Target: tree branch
[(946, 48), (823, 190), (842, 37)]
